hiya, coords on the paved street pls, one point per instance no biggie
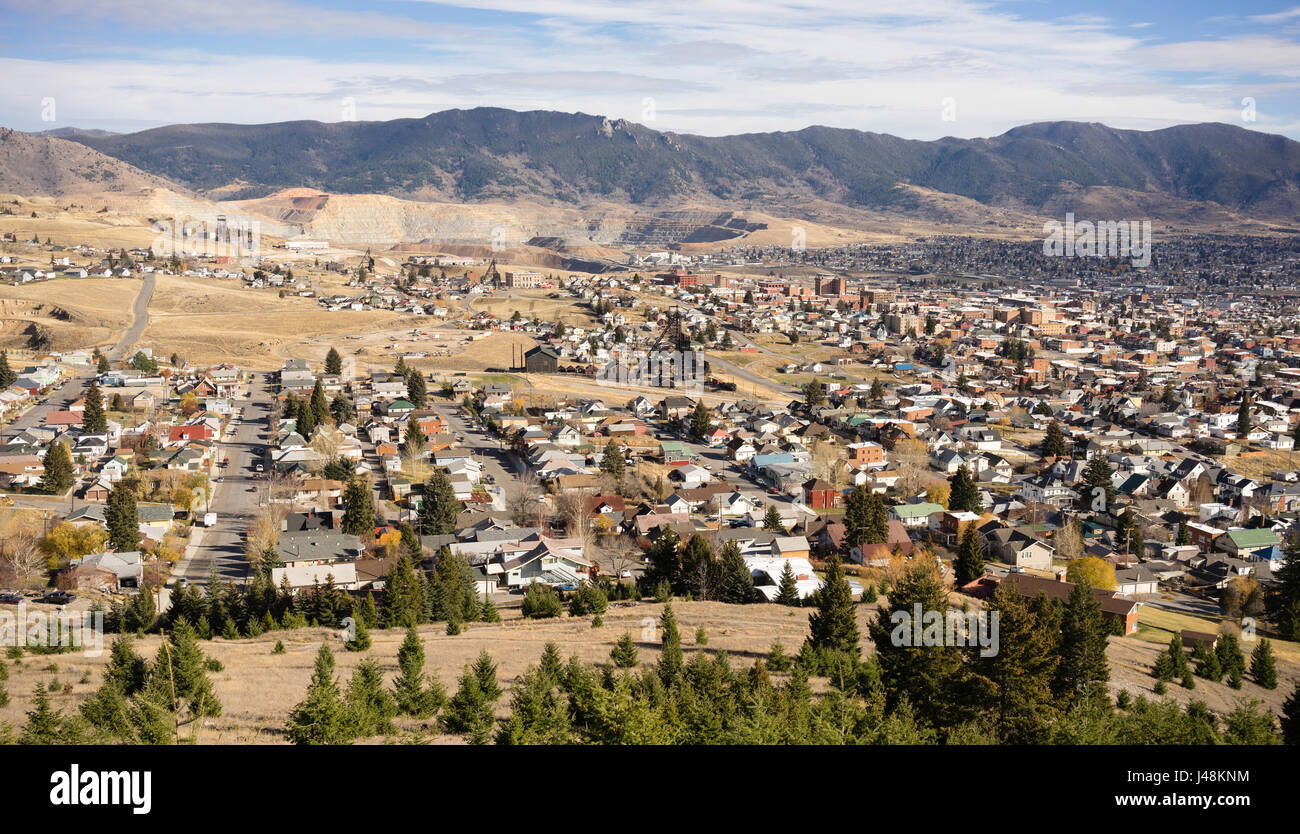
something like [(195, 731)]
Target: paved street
[(139, 319), (235, 501)]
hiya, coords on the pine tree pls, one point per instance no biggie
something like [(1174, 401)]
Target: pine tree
[(305, 421), (834, 625), (1207, 664), (964, 495), (669, 667), (1243, 416), (969, 564), (877, 528), (178, 691), (319, 404), (541, 602), (700, 420), (454, 592), (333, 363), (321, 717), (370, 706), (485, 670), (415, 692), (665, 559), (1083, 665), (140, 612), (788, 588), (93, 420), (926, 677), (58, 476), (122, 519), (360, 640), (736, 584), (612, 462), (413, 442), (1231, 659), (1290, 718), (7, 375), (1098, 485), (539, 714), (772, 520), (1263, 668), (44, 724), (624, 653), (341, 409), (856, 518), (439, 507), (1054, 441), (404, 605), (1283, 599), (1016, 680), (359, 515), (126, 668), (416, 389), (1172, 663), (469, 712)]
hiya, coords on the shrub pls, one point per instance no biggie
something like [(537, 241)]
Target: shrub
[(541, 601), (588, 599)]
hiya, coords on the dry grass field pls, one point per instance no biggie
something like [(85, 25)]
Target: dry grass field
[(74, 312), (1261, 463), (535, 304), (209, 320), (258, 688), (72, 221)]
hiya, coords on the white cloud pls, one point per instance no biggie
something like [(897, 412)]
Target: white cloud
[(712, 66)]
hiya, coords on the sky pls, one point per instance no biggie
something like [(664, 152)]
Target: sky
[(921, 69)]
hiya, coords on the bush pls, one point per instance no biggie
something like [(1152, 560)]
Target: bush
[(701, 637), (777, 659), (588, 599), (597, 621), (624, 652), (279, 647), (541, 601)]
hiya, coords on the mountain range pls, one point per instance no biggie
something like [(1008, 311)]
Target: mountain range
[(495, 154)]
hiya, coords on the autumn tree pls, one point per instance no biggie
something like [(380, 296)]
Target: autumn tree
[(1096, 572)]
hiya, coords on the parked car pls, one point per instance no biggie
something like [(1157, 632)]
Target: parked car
[(57, 598), (10, 599)]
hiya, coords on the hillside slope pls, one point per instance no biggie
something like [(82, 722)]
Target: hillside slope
[(572, 158)]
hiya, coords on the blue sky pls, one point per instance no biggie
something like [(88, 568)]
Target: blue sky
[(920, 69)]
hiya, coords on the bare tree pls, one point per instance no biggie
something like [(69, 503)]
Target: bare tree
[(620, 553), (526, 501), (571, 509), (911, 459), (1069, 541), (23, 559)]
